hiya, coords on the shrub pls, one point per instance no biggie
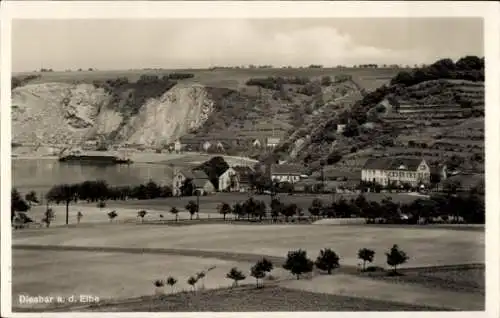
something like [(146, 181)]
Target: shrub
[(257, 272), (298, 263), (112, 215), (396, 257), (236, 275), (366, 255), (142, 214), (171, 281), (192, 282), (327, 260)]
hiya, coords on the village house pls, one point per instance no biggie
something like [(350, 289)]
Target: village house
[(227, 180), (206, 145), (285, 173), (220, 146), (256, 143), (398, 171), (199, 179), (340, 128), (235, 179)]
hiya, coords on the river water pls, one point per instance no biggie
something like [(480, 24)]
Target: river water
[(41, 174)]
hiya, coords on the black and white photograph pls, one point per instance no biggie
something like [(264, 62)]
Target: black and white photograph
[(250, 164)]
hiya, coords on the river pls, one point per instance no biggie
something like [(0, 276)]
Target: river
[(41, 174)]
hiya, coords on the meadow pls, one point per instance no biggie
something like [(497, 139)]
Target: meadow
[(223, 78), (121, 261)]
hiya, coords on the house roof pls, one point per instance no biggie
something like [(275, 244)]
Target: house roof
[(287, 169), (200, 183), (195, 174), (392, 164)]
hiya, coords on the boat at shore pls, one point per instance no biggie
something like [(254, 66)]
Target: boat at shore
[(94, 159)]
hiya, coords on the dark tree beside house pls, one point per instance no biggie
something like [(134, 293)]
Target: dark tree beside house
[(66, 193), (214, 168), (192, 208)]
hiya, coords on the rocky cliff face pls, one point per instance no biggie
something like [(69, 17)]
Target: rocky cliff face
[(169, 117), (70, 114)]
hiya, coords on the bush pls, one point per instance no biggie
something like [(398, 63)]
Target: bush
[(366, 255), (327, 260), (235, 275), (298, 263), (396, 257)]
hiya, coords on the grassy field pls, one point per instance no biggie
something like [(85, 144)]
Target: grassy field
[(426, 246), (226, 78), (109, 261)]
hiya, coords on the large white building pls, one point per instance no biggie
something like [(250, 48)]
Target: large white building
[(385, 171), (235, 179), (285, 172)]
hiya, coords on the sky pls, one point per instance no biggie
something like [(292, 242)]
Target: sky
[(200, 43)]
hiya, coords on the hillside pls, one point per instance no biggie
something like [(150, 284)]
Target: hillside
[(116, 109), (339, 116), (70, 114), (436, 113)]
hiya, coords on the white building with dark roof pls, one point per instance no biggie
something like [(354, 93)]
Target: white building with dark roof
[(285, 172), (199, 179), (385, 171)]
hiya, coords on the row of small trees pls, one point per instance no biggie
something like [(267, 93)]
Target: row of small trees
[(470, 207), (297, 263)]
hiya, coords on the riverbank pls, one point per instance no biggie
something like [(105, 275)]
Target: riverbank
[(147, 157)]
